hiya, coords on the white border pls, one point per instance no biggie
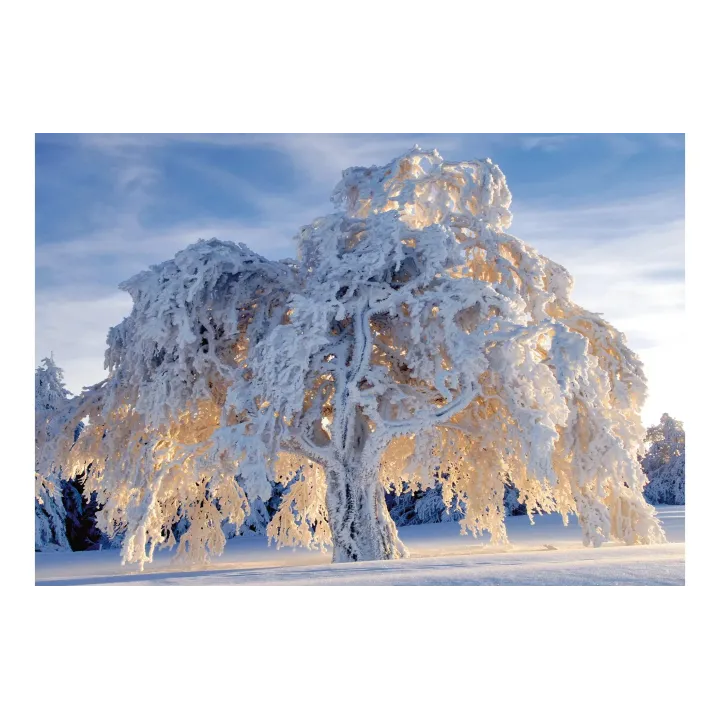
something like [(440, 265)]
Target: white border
[(355, 652)]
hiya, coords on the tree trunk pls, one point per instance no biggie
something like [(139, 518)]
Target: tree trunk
[(361, 526)]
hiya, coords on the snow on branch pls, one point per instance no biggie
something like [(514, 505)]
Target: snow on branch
[(413, 339)]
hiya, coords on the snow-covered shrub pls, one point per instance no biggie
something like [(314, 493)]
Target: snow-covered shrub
[(664, 463), (411, 333)]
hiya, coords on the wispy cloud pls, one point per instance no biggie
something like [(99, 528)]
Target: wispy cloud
[(548, 143), (318, 157), (117, 253), (75, 328)]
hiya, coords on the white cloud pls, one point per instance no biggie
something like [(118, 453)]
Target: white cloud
[(74, 329), (548, 143), (627, 260)]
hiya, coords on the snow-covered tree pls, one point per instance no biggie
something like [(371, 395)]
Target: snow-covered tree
[(419, 507), (664, 463), (64, 516), (413, 338), (51, 397), (80, 512), (440, 504)]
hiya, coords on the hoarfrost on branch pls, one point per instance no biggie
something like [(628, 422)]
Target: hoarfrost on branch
[(413, 341)]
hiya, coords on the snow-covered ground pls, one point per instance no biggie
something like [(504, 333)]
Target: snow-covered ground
[(546, 553)]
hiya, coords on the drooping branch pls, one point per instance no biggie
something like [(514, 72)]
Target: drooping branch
[(412, 333)]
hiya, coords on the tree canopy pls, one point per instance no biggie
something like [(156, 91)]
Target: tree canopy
[(412, 341)]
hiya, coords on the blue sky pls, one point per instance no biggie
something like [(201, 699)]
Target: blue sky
[(608, 207)]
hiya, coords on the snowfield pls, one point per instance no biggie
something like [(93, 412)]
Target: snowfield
[(546, 553)]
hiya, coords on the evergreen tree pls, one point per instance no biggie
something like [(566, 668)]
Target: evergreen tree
[(51, 397), (664, 463), (64, 516)]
